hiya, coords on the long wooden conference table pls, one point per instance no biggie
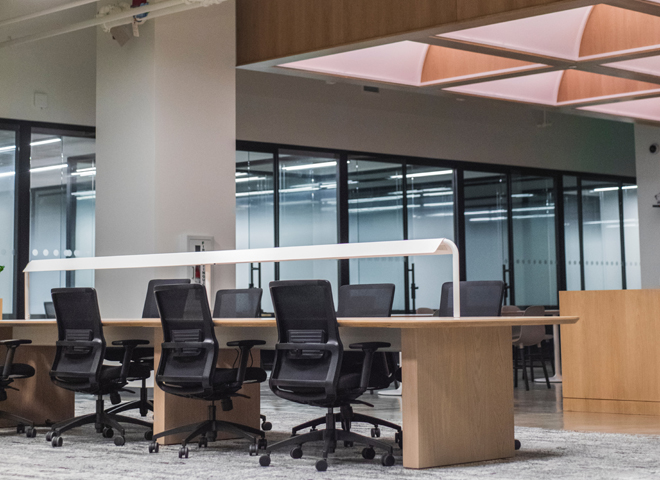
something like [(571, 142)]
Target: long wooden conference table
[(457, 372)]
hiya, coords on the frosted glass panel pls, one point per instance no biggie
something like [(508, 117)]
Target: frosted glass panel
[(572, 234), (375, 212), (7, 183), (430, 215), (631, 232), (255, 214)]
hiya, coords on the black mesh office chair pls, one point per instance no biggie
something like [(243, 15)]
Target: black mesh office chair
[(187, 365), (78, 364), (240, 303), (478, 299), (368, 300), (142, 355), (307, 368), (13, 371)]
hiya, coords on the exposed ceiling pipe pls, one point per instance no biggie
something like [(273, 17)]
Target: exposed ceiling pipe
[(103, 20), (160, 13), (48, 11)]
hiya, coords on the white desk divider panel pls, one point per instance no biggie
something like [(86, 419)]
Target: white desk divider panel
[(341, 251)]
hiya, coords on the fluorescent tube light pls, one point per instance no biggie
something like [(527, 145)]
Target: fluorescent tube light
[(10, 148), (48, 168), (522, 195), (45, 142), (630, 187), (240, 174), (605, 189), (424, 174), (310, 166), (249, 179), (7, 174)]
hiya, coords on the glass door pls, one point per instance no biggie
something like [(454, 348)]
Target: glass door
[(7, 197), (486, 228), (430, 195), (375, 212)]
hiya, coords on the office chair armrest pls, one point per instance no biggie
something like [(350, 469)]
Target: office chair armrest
[(133, 343), (15, 342), (246, 343), (373, 346), (245, 346)]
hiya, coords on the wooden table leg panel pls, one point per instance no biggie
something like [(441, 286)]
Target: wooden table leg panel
[(457, 395), (171, 411)]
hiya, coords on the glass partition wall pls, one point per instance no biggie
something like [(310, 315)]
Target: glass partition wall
[(527, 227), (7, 206)]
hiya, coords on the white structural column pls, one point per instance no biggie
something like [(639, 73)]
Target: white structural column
[(166, 133), (648, 181)]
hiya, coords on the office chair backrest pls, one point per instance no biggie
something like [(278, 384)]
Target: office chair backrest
[(305, 314), (374, 300), (532, 334), (49, 309), (478, 299), (187, 366), (535, 311), (150, 310), (239, 303), (78, 321)]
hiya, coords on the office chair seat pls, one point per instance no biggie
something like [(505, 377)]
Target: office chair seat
[(136, 371), (228, 375), (346, 383), (20, 370)]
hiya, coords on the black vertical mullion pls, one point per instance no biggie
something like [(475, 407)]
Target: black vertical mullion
[(560, 244), (580, 233), (406, 260), (276, 206), (509, 216), (624, 280), (459, 220), (342, 215), (22, 216)]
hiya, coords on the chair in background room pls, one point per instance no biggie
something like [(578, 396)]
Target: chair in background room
[(188, 361), (512, 311), (240, 303), (78, 364), (142, 355), (478, 299), (308, 358), (14, 371), (49, 309), (368, 300), (530, 337)]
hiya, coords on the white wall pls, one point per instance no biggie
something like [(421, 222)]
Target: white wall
[(297, 111), (62, 67), (648, 180)]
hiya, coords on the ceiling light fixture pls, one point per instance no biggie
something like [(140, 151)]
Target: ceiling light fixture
[(310, 166), (424, 174), (48, 168), (45, 142)]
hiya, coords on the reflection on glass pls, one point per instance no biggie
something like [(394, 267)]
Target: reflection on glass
[(631, 239), (602, 236), (255, 218), (375, 212), (486, 234), (308, 211), (7, 183), (572, 234), (430, 193), (534, 247), (62, 210)]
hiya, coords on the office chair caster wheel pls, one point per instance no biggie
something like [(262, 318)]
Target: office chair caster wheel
[(262, 443), (266, 426), (203, 442), (368, 453), (264, 460), (296, 452), (183, 452), (398, 439), (387, 460), (31, 432), (348, 443), (149, 435), (153, 447), (253, 449), (375, 432), (20, 428), (322, 465), (49, 436), (313, 429), (120, 441), (517, 444), (56, 442), (108, 432)]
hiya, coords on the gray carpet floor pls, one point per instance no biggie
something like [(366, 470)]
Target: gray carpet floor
[(546, 454)]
